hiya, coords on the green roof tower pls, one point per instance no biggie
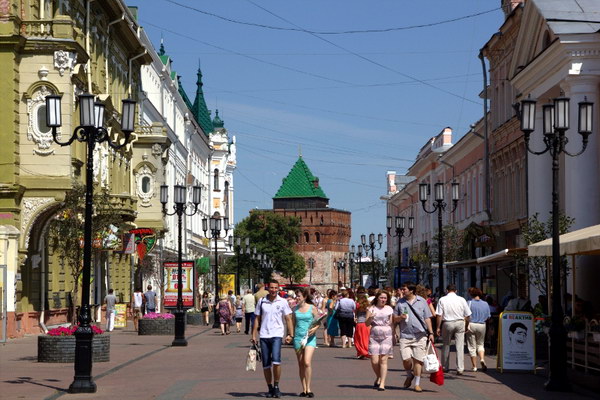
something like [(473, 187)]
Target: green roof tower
[(300, 189)]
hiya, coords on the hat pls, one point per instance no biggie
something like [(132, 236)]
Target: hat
[(342, 288)]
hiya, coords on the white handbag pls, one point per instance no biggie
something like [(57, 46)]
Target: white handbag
[(431, 363), (251, 360)]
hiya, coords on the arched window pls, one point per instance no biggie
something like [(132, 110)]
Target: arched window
[(226, 198), (216, 179), (318, 237), (306, 237)]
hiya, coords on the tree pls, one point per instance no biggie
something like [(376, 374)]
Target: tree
[(66, 230), (536, 231), (275, 236)]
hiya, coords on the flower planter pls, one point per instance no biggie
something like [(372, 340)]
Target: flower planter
[(156, 326), (194, 318), (61, 349)]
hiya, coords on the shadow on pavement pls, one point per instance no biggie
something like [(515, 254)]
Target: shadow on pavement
[(26, 379)]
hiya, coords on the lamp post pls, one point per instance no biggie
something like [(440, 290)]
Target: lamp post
[(311, 265), (400, 225), (555, 125), (359, 254), (439, 205), (238, 247), (351, 263), (179, 208), (215, 233), (91, 131), (371, 246)]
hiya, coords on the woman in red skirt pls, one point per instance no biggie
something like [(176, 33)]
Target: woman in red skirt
[(362, 331)]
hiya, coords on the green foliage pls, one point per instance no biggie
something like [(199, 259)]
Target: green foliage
[(452, 245), (275, 236), (536, 231), (67, 227)]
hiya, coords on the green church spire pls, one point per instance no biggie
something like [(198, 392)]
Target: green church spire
[(199, 108)]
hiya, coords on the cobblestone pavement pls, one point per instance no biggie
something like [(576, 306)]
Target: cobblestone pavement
[(213, 367)]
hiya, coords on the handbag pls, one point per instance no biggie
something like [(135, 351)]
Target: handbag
[(437, 377), (254, 355), (431, 364)]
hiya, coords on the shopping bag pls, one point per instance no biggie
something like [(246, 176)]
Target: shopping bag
[(431, 362), (251, 360), (437, 377)]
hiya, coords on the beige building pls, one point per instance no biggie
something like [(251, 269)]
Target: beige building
[(66, 48)]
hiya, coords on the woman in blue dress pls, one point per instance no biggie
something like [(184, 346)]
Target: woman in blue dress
[(303, 316), (333, 328)]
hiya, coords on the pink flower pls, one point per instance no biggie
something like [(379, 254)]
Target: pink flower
[(70, 331), (158, 316)]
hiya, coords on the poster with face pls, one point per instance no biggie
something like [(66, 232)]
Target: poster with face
[(517, 341)]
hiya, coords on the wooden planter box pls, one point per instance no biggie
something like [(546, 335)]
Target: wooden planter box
[(61, 349), (194, 318), (156, 326)]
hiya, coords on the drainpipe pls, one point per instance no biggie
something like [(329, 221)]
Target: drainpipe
[(143, 53), (87, 45), (106, 48), (486, 156)]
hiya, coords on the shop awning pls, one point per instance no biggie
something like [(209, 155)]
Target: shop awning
[(501, 255), (582, 241)]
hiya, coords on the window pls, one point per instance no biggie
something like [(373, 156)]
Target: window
[(318, 237), (41, 119), (306, 237), (226, 198), (146, 184), (216, 179)]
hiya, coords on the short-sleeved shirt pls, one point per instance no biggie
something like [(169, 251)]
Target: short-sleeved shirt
[(480, 311), (249, 303), (110, 301), (411, 328), (345, 307), (271, 316), (452, 307), (150, 298)]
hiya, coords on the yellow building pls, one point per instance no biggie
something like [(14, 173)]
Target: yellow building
[(66, 47)]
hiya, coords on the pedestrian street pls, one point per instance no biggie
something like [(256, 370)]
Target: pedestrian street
[(212, 367)]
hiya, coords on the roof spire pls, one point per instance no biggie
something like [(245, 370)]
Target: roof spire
[(299, 150), (161, 52), (199, 108), (217, 121)]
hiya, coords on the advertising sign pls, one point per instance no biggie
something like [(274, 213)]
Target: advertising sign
[(516, 341), (171, 282), (145, 240), (226, 283), (120, 315)]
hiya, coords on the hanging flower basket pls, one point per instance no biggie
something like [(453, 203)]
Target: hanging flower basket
[(58, 346), (157, 324)]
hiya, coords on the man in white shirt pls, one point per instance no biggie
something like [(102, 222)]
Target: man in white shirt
[(249, 307), (270, 312), (454, 311)]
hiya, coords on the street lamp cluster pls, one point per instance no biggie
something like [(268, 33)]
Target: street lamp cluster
[(237, 247), (400, 227), (439, 205), (370, 246), (213, 226), (91, 131), (179, 208), (555, 124), (341, 266)]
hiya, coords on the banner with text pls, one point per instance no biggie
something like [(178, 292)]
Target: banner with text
[(171, 283), (517, 341)]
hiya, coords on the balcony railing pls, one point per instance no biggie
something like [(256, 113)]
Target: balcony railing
[(38, 29)]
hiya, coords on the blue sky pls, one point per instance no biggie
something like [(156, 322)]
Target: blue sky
[(358, 104)]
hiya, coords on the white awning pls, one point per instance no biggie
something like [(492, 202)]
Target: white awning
[(582, 241)]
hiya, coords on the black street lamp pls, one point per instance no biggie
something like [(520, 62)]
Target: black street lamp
[(359, 255), (439, 205), (371, 246), (238, 247), (351, 263), (341, 265), (400, 224), (179, 208), (215, 233), (90, 130), (555, 125), (311, 266)]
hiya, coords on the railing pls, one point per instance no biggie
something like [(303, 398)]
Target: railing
[(584, 347), (39, 29)]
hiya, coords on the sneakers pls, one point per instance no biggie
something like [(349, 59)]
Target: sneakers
[(418, 389), (408, 381), (483, 366), (276, 392), (474, 369)]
